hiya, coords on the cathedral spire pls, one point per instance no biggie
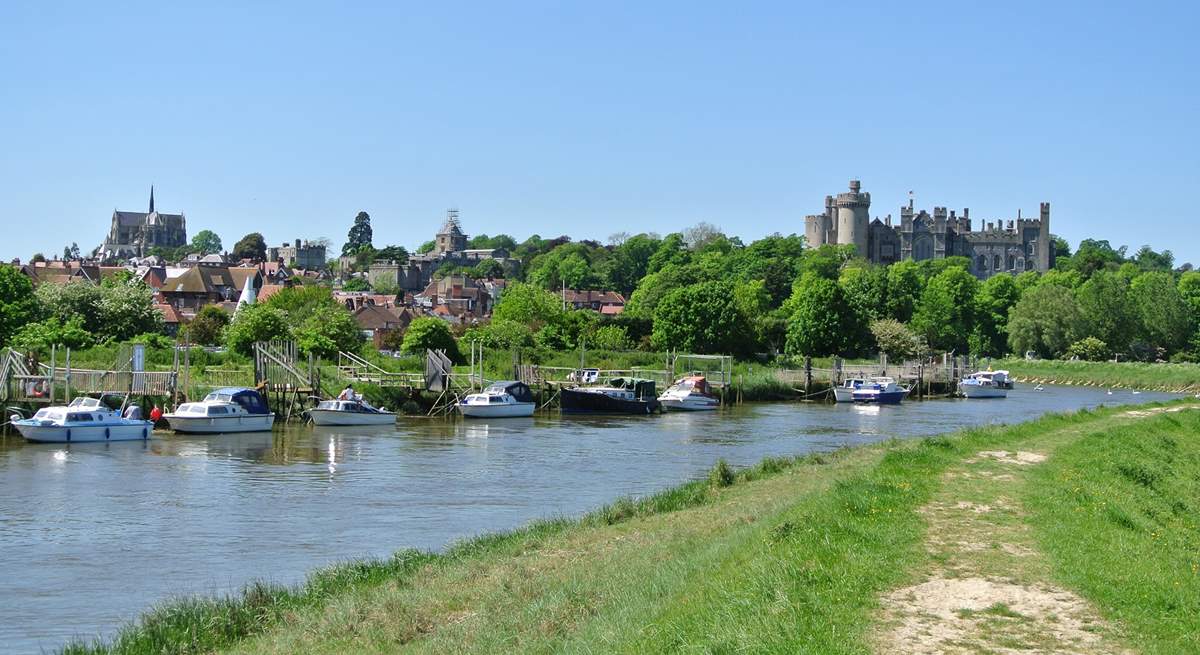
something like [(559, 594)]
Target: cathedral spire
[(151, 199)]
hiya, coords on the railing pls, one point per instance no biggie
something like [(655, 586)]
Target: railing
[(356, 369)]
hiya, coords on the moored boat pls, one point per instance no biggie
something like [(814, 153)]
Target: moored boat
[(690, 394), (620, 396), (233, 409), (350, 412), (499, 400), (845, 392), (880, 391), (985, 384), (84, 420)]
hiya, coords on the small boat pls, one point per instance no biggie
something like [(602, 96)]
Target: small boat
[(233, 409), (350, 412), (880, 391), (690, 394), (985, 384), (620, 396), (85, 419), (845, 392), (499, 400)]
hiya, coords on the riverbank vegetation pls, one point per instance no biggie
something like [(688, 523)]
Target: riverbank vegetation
[(790, 555), (1180, 377)]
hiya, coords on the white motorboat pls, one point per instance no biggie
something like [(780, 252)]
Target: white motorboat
[(985, 384), (880, 391), (231, 409), (85, 419), (845, 392), (690, 394), (500, 400), (350, 412)]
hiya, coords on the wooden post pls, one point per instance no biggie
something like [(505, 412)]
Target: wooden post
[(67, 378), (53, 361), (807, 376)]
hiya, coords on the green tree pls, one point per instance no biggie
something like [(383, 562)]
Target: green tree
[(18, 305), (252, 323), (671, 250), (866, 288), (1046, 321), (356, 284), (53, 332), (298, 303), (1112, 316), (1088, 349), (1165, 315), (206, 242), (895, 339), (252, 246), (127, 310), (904, 285), (328, 330), (629, 262), (822, 321), (610, 337), (947, 312), (997, 295), (1189, 288), (503, 334), (487, 269), (429, 333), (360, 235), (655, 286), (71, 300), (392, 254), (702, 318), (208, 328), (427, 247), (529, 305)]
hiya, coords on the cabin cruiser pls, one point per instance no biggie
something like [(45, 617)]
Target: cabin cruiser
[(845, 392), (85, 419), (985, 384), (620, 396), (233, 409), (499, 400), (690, 394), (880, 391), (350, 412)]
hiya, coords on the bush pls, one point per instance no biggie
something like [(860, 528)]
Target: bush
[(428, 333), (255, 323), (721, 474), (1089, 349)]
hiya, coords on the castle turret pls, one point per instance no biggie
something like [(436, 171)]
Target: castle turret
[(853, 217), (1045, 253)]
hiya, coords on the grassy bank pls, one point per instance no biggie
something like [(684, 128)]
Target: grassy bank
[(1130, 375), (789, 556)]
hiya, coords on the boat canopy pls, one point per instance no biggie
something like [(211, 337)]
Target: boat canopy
[(698, 383), (249, 399), (518, 390), (641, 387)]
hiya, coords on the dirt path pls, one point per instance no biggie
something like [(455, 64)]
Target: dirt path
[(987, 588)]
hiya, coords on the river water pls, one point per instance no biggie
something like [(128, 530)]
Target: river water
[(93, 534)]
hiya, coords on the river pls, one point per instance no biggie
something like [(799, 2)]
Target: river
[(93, 534)]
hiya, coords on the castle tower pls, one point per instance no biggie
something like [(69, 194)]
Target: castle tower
[(451, 237), (853, 217), (1045, 247)]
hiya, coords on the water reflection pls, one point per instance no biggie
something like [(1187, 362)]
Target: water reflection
[(213, 512)]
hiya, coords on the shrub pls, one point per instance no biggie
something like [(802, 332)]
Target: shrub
[(1089, 349)]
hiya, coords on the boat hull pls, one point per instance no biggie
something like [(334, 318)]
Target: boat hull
[(976, 391), (691, 404), (139, 431), (334, 417), (588, 402), (507, 410), (843, 394), (218, 424), (881, 398)]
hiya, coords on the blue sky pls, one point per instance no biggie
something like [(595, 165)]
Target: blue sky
[(589, 119)]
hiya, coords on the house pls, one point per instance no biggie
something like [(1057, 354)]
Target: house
[(171, 318), (191, 288), (461, 294), (378, 322), (605, 302)]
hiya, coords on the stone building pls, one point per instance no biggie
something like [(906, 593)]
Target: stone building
[(1012, 246), (450, 249), (133, 234), (306, 255)]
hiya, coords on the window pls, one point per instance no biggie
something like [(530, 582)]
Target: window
[(997, 263), (981, 263), (79, 417), (214, 411), (1012, 262)]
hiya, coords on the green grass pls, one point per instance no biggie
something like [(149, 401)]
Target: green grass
[(1116, 511), (790, 555), (1133, 375)]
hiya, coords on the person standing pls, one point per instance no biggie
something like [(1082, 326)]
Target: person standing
[(156, 414)]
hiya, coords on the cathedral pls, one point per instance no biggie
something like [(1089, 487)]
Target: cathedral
[(1013, 246), (133, 234)]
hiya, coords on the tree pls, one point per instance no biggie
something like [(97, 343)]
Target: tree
[(298, 303), (429, 333), (671, 250), (487, 269), (426, 247), (360, 234), (946, 313), (904, 285), (327, 331), (821, 321), (529, 305), (1148, 260), (701, 234), (208, 328), (356, 284), (71, 252), (1112, 316), (610, 337), (866, 288), (895, 339), (1046, 321), (18, 305), (53, 332), (1088, 349), (127, 310), (702, 318), (252, 246), (1165, 316), (37, 258), (997, 295), (392, 254), (252, 323), (502, 334), (1094, 255), (206, 242)]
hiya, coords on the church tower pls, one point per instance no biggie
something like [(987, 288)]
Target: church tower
[(450, 238)]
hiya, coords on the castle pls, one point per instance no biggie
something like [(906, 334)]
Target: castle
[(1016, 246), (133, 234), (306, 255), (450, 249)]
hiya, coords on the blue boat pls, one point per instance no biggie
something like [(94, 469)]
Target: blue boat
[(880, 391)]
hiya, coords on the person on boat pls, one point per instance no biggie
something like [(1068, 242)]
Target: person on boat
[(156, 414), (347, 393)]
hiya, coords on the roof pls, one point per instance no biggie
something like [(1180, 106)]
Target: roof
[(269, 290), (611, 310), (588, 297), (170, 315), (373, 317)]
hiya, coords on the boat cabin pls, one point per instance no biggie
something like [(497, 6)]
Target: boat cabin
[(518, 390), (637, 387), (346, 406)]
